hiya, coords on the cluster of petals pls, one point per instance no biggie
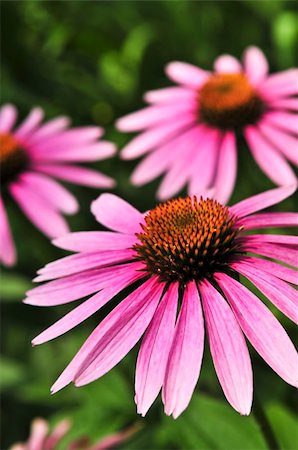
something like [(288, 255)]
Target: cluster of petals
[(52, 151), (41, 439), (171, 351), (177, 142)]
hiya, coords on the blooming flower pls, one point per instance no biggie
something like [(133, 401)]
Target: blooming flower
[(30, 156), (180, 259), (40, 439), (189, 131)]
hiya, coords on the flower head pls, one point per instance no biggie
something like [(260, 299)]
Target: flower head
[(41, 439), (30, 156), (179, 260), (189, 131)]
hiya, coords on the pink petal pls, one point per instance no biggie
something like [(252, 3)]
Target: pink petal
[(85, 152), (60, 430), (87, 308), (228, 348), (227, 64), (283, 141), (160, 160), (267, 220), (80, 262), (154, 351), (75, 137), (74, 287), (115, 213), (119, 332), (29, 124), (41, 213), (154, 115), (285, 273), (273, 238), (287, 255), (153, 137), (77, 175), (226, 171), (170, 95), (281, 84), (7, 248), (262, 201), (255, 65), (39, 431), (50, 191), (268, 158), (261, 328), (8, 116), (285, 103), (283, 296), (186, 74), (185, 357), (284, 120), (90, 241), (48, 129), (204, 165)]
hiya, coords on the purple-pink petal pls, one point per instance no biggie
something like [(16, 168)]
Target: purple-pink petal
[(261, 328), (271, 219), (227, 64), (186, 353), (7, 247), (8, 116), (226, 168), (154, 351), (186, 74), (228, 348), (255, 65), (90, 241)]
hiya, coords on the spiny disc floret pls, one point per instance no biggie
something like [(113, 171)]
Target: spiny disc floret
[(187, 239)]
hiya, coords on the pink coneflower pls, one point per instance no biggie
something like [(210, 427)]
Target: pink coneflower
[(31, 155), (189, 132), (41, 439), (180, 260)]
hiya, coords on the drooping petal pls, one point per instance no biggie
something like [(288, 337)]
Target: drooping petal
[(282, 272), (50, 191), (186, 353), (262, 201), (78, 175), (87, 308), (228, 348), (288, 255), (227, 64), (82, 261), (7, 248), (154, 137), (281, 84), (120, 331), (284, 120), (42, 214), (170, 95), (283, 296), (282, 140), (154, 351), (153, 115), (90, 241), (255, 65), (271, 219), (186, 74), (285, 239), (226, 168), (74, 287), (261, 328), (8, 116), (273, 164), (30, 124), (115, 213), (290, 104)]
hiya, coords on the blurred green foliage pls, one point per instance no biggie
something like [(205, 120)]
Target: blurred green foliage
[(93, 60)]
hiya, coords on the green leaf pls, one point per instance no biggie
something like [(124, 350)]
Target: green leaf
[(11, 373), (284, 425), (212, 424)]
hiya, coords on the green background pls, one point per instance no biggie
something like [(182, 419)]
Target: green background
[(93, 61)]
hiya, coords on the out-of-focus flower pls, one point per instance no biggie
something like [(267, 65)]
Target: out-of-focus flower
[(179, 259), (41, 439), (189, 132), (31, 155)]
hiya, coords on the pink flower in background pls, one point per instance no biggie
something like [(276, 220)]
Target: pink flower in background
[(189, 132), (40, 439), (180, 259), (31, 155)]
